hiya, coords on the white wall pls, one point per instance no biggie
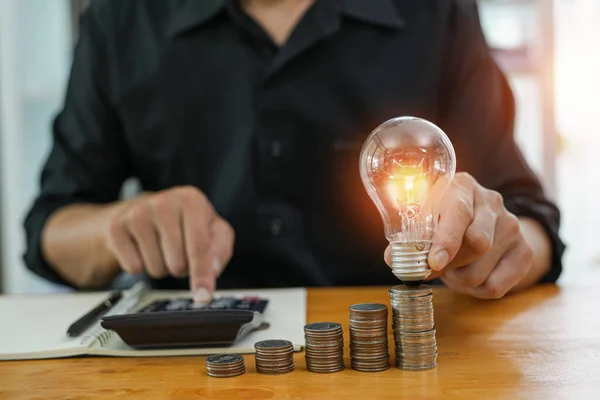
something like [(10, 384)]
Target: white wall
[(578, 118), (35, 53)]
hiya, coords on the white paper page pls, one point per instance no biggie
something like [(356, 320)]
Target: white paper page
[(34, 326), (286, 314)]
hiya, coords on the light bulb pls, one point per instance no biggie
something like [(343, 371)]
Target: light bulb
[(406, 166)]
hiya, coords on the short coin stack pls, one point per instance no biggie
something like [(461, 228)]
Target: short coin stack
[(324, 347), (368, 337), (274, 356), (414, 328), (225, 365)]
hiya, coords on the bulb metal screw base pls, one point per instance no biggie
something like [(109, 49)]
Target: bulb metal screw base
[(409, 262)]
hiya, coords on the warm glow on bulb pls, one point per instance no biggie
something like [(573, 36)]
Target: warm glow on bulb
[(406, 165), (405, 189)]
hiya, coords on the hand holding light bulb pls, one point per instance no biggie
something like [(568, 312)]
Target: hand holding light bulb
[(442, 224), (478, 248)]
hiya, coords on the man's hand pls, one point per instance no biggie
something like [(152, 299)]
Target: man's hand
[(175, 232), (479, 248)]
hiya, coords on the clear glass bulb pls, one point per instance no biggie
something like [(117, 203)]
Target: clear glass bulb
[(406, 165)]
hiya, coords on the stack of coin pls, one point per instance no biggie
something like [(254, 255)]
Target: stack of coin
[(368, 337), (225, 365), (274, 356), (414, 328), (324, 347)]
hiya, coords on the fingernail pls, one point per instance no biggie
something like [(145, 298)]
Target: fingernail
[(217, 265), (440, 260), (202, 295)]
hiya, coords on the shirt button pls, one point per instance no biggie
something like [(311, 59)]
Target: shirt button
[(276, 226), (275, 148)]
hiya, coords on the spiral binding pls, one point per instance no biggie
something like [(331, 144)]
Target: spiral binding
[(130, 301)]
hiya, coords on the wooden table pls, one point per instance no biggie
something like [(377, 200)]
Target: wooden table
[(544, 343)]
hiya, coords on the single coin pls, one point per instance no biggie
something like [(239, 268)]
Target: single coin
[(368, 307), (323, 326), (421, 290), (224, 358), (273, 344)]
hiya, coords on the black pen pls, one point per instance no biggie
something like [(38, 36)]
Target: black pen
[(92, 316)]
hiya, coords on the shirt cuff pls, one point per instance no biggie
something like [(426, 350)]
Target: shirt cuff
[(33, 256), (549, 217)]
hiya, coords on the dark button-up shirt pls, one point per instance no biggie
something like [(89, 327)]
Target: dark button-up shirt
[(188, 92)]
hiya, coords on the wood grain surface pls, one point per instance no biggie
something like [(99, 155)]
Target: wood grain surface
[(539, 344)]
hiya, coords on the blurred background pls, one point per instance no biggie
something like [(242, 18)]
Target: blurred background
[(549, 49)]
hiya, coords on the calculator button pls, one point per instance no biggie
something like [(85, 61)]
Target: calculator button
[(224, 303), (229, 302), (245, 305), (155, 306), (177, 305)]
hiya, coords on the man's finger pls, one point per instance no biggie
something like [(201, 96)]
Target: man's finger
[(124, 248), (196, 214), (167, 221), (146, 238), (475, 274), (479, 236), (456, 215), (511, 269), (454, 285), (223, 238)]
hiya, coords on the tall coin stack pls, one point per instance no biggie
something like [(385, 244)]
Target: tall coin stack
[(324, 347), (414, 328), (274, 356), (368, 337)]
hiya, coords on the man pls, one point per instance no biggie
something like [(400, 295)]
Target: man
[(243, 121)]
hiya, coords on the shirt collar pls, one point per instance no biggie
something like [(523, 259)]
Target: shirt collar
[(194, 13), (380, 12)]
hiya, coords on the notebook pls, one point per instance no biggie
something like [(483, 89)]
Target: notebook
[(34, 326)]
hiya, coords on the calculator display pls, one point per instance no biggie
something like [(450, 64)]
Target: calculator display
[(219, 303)]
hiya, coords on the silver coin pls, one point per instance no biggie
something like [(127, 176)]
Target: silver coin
[(411, 299), (274, 371), (417, 327), (324, 335), (425, 368), (368, 307), (412, 321), (227, 374), (419, 290), (408, 296), (224, 358), (370, 368), (323, 326), (402, 307), (275, 352), (272, 344), (332, 364), (324, 353)]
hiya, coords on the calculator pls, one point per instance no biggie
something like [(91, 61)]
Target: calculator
[(179, 322)]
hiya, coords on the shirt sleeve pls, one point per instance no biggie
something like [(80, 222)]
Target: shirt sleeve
[(478, 109), (88, 160)]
